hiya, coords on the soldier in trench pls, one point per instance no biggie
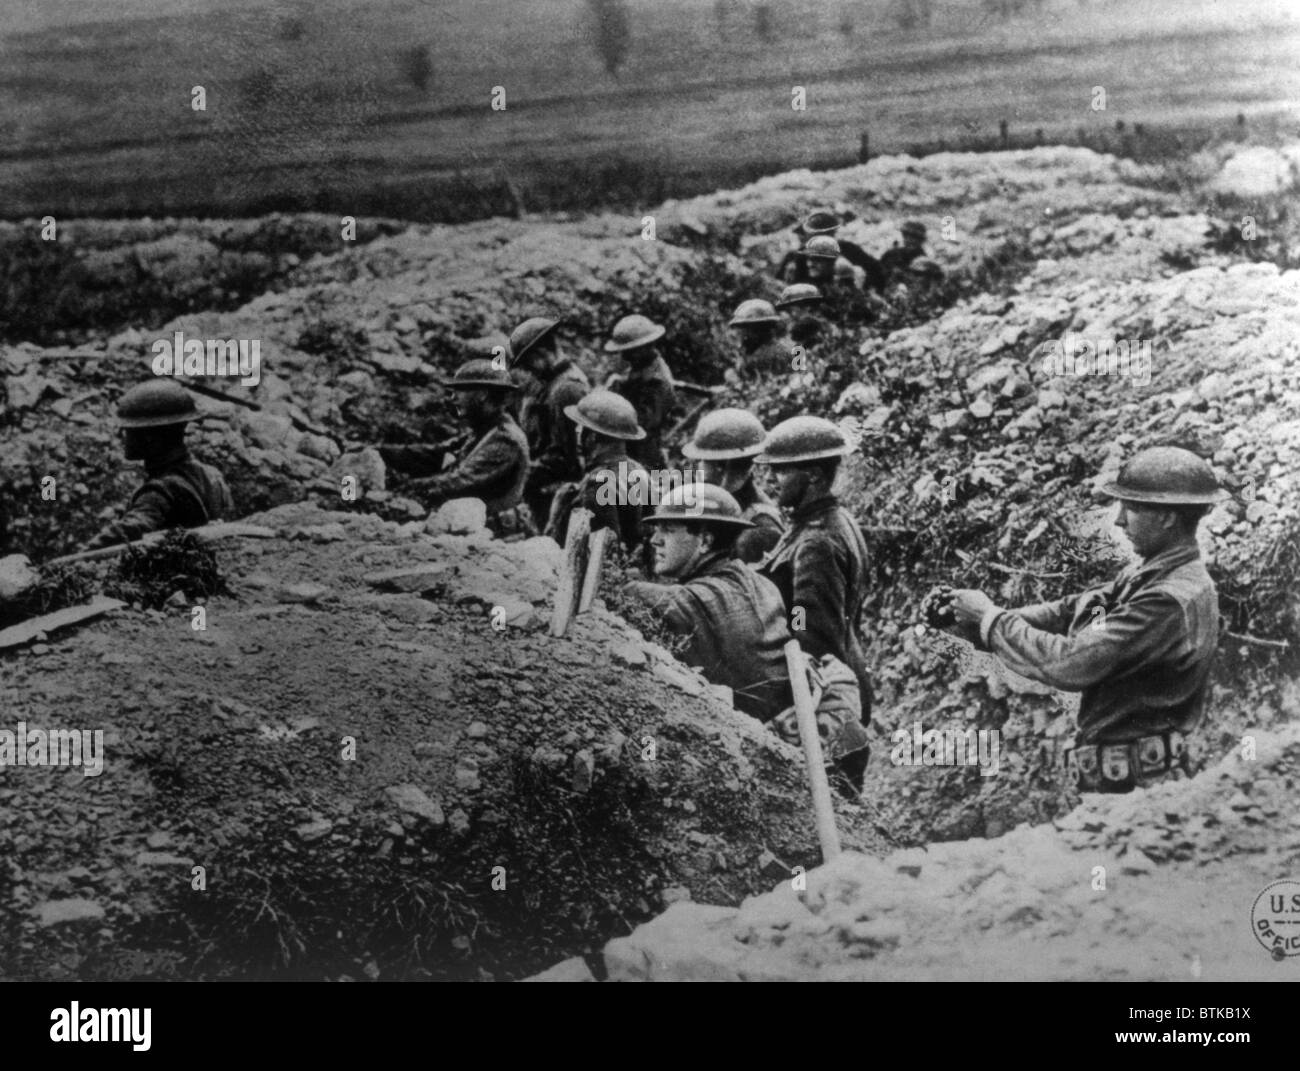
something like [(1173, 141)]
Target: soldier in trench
[(178, 492), (1140, 648)]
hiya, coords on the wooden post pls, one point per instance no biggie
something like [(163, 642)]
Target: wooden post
[(575, 553), (595, 559), (1002, 133), (864, 148), (827, 834)]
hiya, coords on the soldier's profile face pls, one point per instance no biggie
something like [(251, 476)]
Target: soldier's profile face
[(727, 475), (135, 443), (792, 483), (1144, 526), (675, 549)]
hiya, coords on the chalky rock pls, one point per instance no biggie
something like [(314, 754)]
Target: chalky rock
[(459, 516), (365, 465), (17, 577)]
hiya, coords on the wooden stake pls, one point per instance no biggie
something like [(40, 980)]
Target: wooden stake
[(71, 615), (595, 560), (575, 548), (827, 834)]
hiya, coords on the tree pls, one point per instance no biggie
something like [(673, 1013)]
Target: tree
[(612, 31)]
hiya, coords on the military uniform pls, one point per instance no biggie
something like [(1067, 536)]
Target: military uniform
[(611, 468), (552, 437), (736, 630), (873, 271), (1140, 650), (494, 469), (820, 565), (774, 357), (753, 544), (651, 392), (898, 259), (178, 493)]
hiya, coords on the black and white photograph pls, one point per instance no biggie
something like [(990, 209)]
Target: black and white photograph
[(650, 490)]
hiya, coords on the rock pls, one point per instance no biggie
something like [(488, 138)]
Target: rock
[(628, 654), (304, 592), (460, 516), (458, 822), (162, 859), (1255, 172), (417, 579), (411, 800), (76, 909), (467, 779), (584, 770), (310, 832), (569, 970), (159, 839), (17, 577)]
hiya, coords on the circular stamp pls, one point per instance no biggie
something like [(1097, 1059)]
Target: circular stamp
[(1275, 919)]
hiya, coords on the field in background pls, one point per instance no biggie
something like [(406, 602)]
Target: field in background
[(383, 108)]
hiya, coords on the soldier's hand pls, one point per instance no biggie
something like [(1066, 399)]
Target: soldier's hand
[(969, 607), (936, 607)]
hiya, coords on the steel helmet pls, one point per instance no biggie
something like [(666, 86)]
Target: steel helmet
[(633, 332), (913, 229), (699, 502), (1166, 476), (528, 334), (822, 246), (821, 221), (803, 438), (156, 403), (754, 311), (799, 294), (480, 374), (606, 413), (726, 434)]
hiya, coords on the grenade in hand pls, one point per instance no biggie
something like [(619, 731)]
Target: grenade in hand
[(937, 607)]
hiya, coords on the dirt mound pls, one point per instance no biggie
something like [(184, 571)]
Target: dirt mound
[(1158, 885), (510, 799)]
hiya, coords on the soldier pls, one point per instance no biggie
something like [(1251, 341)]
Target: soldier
[(648, 384), (726, 442), (178, 492), (805, 330), (557, 383), (493, 467), (827, 223), (815, 262), (820, 563), (897, 259), (764, 347), (615, 487), (1140, 648), (732, 616)]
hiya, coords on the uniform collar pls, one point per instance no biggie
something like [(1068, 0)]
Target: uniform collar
[(809, 510), (1167, 560), (713, 563), (162, 462), (606, 452)]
